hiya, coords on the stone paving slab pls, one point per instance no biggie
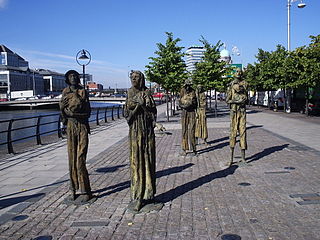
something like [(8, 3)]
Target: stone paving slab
[(203, 199)]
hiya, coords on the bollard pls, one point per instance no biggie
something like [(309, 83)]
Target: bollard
[(105, 115), (38, 136), (97, 117), (9, 138)]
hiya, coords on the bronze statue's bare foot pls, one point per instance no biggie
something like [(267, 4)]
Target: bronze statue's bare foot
[(138, 205), (229, 164), (72, 196), (151, 205), (194, 154), (183, 153), (135, 205), (84, 198)]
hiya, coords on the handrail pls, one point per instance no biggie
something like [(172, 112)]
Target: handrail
[(97, 114)]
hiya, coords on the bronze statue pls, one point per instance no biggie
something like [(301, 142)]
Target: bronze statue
[(75, 112), (237, 99), (201, 120), (140, 112), (188, 104)]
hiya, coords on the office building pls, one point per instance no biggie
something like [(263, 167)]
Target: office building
[(15, 74), (93, 86), (194, 55), (54, 82)]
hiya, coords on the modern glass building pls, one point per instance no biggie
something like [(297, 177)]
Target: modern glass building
[(195, 54), (15, 75), (54, 82)]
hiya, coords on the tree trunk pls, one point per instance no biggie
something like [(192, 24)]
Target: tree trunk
[(284, 100), (174, 103), (210, 100), (215, 103), (288, 110), (307, 102), (167, 100)]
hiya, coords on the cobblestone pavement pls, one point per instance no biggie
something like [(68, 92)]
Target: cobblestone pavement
[(275, 197)]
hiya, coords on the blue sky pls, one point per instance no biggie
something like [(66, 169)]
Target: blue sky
[(122, 34)]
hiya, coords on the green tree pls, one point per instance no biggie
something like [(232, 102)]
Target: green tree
[(275, 70), (168, 68), (210, 71), (307, 63), (251, 75)]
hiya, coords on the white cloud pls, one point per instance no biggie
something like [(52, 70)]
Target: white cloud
[(3, 3), (103, 72)]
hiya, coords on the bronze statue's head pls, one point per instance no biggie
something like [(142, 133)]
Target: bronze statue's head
[(137, 79), (188, 85), (72, 77), (200, 88), (238, 74)]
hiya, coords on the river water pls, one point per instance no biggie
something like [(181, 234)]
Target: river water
[(50, 122)]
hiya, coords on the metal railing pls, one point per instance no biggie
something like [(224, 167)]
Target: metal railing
[(37, 128)]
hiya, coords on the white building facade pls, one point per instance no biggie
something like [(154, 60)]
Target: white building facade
[(15, 75), (194, 55)]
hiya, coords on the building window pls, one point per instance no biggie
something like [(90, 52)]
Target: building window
[(2, 59)]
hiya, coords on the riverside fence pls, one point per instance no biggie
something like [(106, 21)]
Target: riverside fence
[(21, 129)]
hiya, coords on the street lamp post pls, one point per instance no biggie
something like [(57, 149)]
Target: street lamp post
[(83, 59), (300, 5)]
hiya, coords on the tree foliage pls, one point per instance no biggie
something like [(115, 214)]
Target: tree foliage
[(209, 72), (168, 68), (282, 69)]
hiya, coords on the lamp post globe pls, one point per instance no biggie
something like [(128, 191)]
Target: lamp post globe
[(83, 58)]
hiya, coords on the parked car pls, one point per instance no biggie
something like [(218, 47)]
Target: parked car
[(159, 96)]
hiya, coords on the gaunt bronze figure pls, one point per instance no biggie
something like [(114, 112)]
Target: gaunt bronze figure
[(201, 119), (140, 112), (75, 112), (188, 104), (237, 98)]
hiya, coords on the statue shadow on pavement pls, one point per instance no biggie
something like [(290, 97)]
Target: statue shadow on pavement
[(110, 169), (266, 152), (123, 185), (29, 198), (221, 145), (187, 187), (215, 147), (15, 200)]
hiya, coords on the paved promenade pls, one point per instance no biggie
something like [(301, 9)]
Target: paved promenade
[(276, 197)]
